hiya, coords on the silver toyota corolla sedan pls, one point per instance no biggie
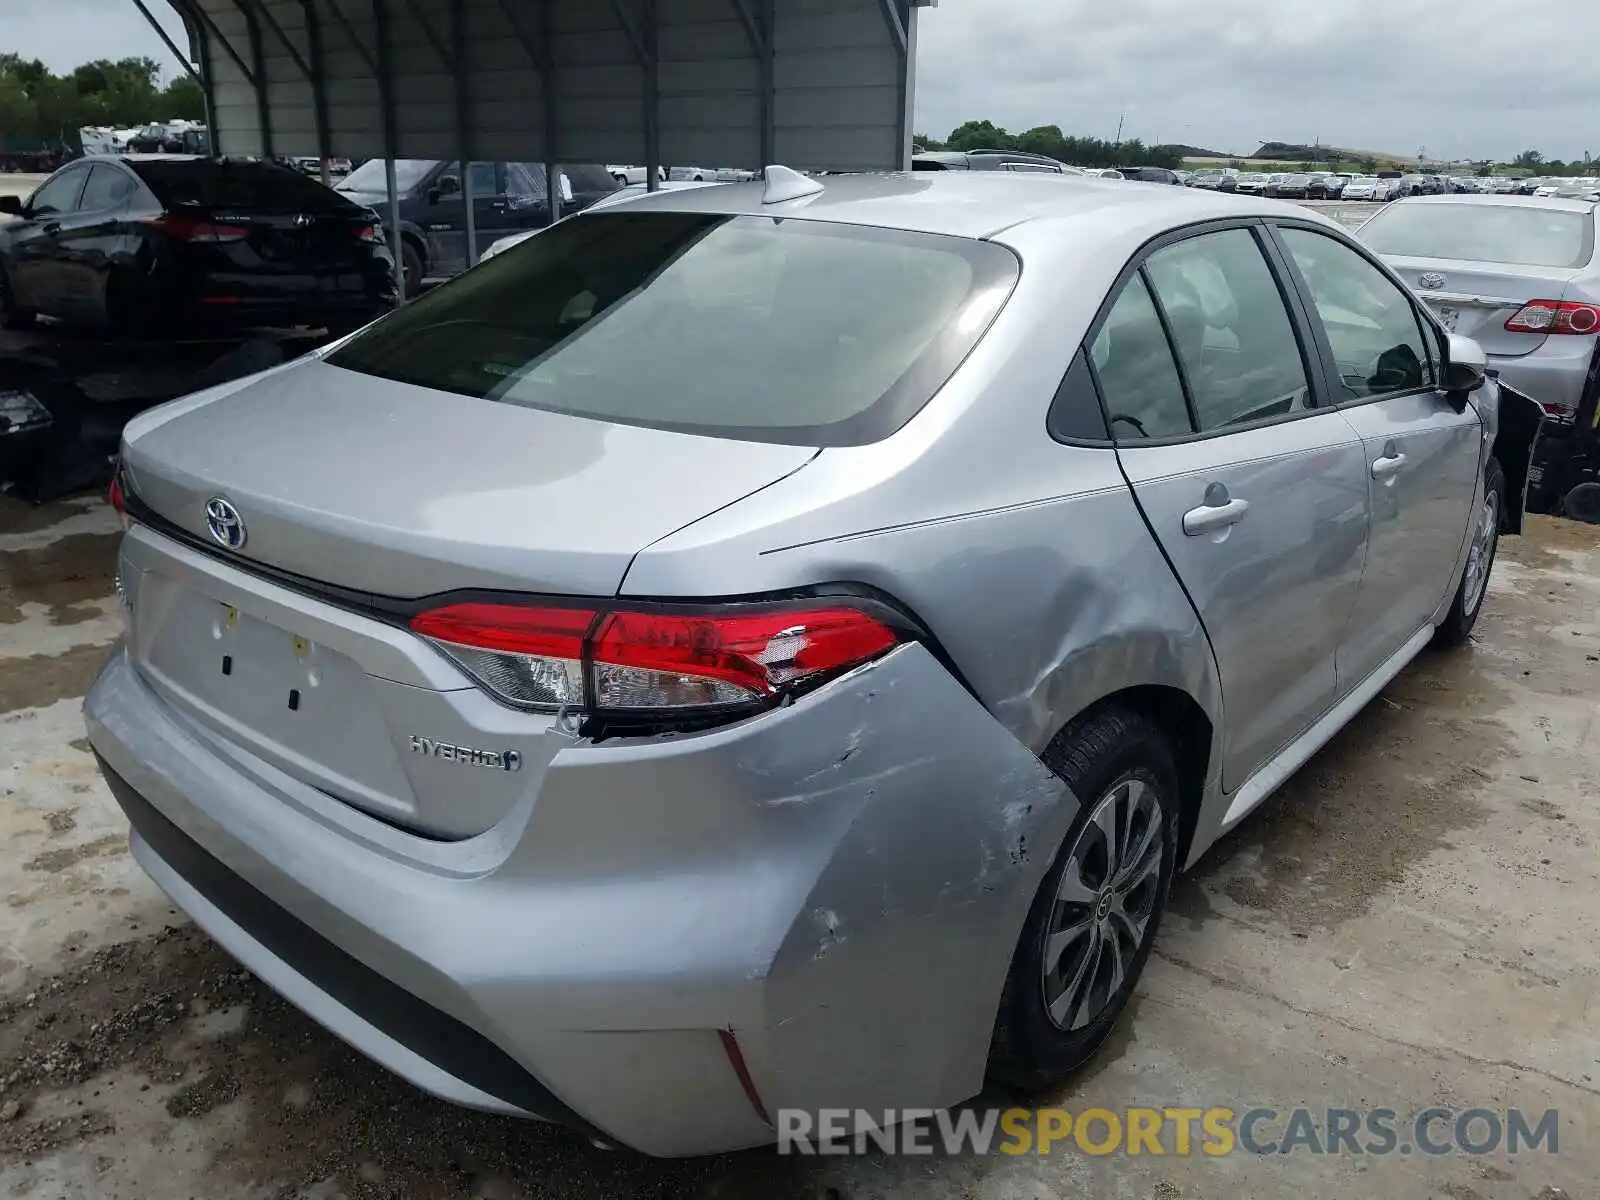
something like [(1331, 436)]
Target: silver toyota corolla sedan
[(1517, 274), (771, 646)]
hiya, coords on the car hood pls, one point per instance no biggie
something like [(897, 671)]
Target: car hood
[(402, 491)]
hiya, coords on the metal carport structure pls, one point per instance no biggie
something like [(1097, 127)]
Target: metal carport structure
[(813, 84)]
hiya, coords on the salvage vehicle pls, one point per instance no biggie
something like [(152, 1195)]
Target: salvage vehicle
[(506, 197), (1519, 275), (709, 725), (145, 245)]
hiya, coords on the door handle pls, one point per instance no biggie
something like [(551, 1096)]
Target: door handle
[(1209, 518), (1388, 465), (50, 227)]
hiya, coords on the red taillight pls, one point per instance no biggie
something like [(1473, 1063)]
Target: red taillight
[(1554, 316), (115, 495), (653, 660), (369, 233), (188, 229)]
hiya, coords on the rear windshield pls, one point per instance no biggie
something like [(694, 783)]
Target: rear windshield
[(236, 186), (748, 327), (1522, 235)]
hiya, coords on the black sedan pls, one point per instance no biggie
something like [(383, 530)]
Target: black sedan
[(180, 246)]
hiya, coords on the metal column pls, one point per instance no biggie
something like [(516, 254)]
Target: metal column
[(391, 136)]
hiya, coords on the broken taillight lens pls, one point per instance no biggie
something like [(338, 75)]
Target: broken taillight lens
[(654, 660)]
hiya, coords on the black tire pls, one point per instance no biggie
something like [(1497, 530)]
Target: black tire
[(12, 317), (1582, 503), (412, 265), (1095, 756), (1468, 603)]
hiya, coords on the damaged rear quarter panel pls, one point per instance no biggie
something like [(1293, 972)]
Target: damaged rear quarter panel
[(884, 990)]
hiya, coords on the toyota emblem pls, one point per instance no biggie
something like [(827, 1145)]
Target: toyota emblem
[(225, 523), (1431, 279)]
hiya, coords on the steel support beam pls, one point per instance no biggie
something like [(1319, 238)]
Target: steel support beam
[(183, 59), (428, 34), (758, 28), (391, 132), (356, 44), (319, 83), (769, 85), (897, 27), (277, 31), (258, 62), (652, 96), (466, 146), (642, 30), (545, 63), (211, 26)]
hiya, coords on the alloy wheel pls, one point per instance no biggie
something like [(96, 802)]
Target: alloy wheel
[(1104, 903), (1481, 555)]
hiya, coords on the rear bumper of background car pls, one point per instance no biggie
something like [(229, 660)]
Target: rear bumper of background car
[(1555, 374), (668, 939)]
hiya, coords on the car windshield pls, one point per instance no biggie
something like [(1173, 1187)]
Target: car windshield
[(800, 332), (235, 185), (1502, 233), (370, 176)]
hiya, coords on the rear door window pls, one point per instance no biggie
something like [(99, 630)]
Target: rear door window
[(231, 185), (106, 189), (1239, 351), (803, 332)]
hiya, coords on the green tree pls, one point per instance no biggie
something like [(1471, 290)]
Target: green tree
[(979, 135), (921, 140), (1528, 158), (183, 99)]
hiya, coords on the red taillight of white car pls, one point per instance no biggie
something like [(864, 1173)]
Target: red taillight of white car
[(667, 660), (1554, 316)]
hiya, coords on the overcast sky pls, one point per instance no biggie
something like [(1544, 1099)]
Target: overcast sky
[(1463, 78)]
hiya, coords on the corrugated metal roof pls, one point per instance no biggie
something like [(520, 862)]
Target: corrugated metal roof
[(816, 84)]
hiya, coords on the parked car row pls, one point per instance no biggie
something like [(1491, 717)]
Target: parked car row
[(625, 175)]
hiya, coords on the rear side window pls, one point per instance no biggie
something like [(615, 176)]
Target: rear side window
[(1522, 235), (1239, 351), (107, 188), (235, 186), (747, 327), (1372, 328), (1138, 378)]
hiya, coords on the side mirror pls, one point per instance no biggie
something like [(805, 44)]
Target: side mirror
[(12, 205), (1466, 366), (433, 195), (448, 185)]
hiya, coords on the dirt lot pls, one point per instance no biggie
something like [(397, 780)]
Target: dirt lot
[(1410, 922)]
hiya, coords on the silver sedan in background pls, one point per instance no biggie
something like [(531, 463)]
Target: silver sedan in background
[(1516, 274)]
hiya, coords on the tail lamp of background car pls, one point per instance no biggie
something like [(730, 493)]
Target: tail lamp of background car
[(668, 662), (1554, 316)]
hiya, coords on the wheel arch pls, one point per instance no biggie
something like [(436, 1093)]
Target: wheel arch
[(1191, 734)]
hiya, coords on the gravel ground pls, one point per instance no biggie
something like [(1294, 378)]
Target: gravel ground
[(1409, 922)]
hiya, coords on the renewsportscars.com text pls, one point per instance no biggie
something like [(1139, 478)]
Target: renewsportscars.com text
[(1213, 1132)]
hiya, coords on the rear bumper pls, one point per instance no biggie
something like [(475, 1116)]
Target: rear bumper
[(1555, 374), (841, 894)]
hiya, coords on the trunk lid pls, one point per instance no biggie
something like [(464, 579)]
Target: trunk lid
[(1477, 299), (403, 491)]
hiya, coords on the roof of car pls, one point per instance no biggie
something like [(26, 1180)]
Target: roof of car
[(1502, 201), (972, 204)]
